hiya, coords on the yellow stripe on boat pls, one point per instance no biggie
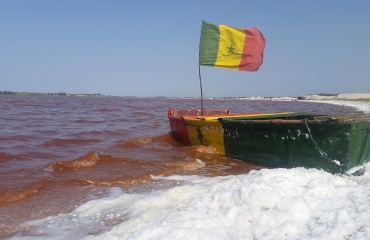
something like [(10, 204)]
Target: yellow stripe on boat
[(208, 118), (206, 132)]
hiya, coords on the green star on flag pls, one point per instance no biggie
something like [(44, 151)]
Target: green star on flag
[(231, 49)]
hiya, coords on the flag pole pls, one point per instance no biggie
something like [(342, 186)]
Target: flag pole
[(201, 91)]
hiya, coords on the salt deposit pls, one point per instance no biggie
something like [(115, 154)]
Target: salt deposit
[(265, 204)]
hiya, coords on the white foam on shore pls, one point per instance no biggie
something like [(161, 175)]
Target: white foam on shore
[(340, 96), (266, 204), (363, 106)]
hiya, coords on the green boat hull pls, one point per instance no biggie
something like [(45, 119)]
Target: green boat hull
[(332, 143)]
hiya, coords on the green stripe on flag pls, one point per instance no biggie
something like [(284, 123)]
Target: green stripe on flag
[(208, 46)]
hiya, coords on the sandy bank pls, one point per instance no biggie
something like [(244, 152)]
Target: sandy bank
[(340, 96)]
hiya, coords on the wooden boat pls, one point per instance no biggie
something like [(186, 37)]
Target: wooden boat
[(331, 143)]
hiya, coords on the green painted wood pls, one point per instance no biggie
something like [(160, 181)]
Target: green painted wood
[(331, 144)]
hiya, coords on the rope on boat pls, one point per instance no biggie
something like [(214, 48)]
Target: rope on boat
[(322, 153)]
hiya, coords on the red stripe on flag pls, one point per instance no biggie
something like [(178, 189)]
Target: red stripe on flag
[(252, 56)]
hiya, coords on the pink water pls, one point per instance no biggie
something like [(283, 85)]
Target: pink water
[(58, 152)]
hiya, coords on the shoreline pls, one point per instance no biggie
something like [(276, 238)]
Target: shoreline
[(310, 97), (340, 96)]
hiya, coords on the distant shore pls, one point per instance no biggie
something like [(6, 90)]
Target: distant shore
[(310, 97), (48, 94)]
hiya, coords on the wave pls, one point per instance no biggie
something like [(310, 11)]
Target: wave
[(84, 121), (105, 109), (204, 149), (135, 142), (62, 141), (21, 193), (5, 156), (163, 139), (167, 138), (88, 160), (167, 169), (61, 168), (108, 170)]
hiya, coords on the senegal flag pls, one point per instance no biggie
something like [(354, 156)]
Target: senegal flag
[(233, 48)]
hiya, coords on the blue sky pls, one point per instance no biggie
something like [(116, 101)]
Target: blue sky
[(150, 48)]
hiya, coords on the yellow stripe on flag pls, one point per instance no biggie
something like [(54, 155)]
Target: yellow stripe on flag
[(230, 47)]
